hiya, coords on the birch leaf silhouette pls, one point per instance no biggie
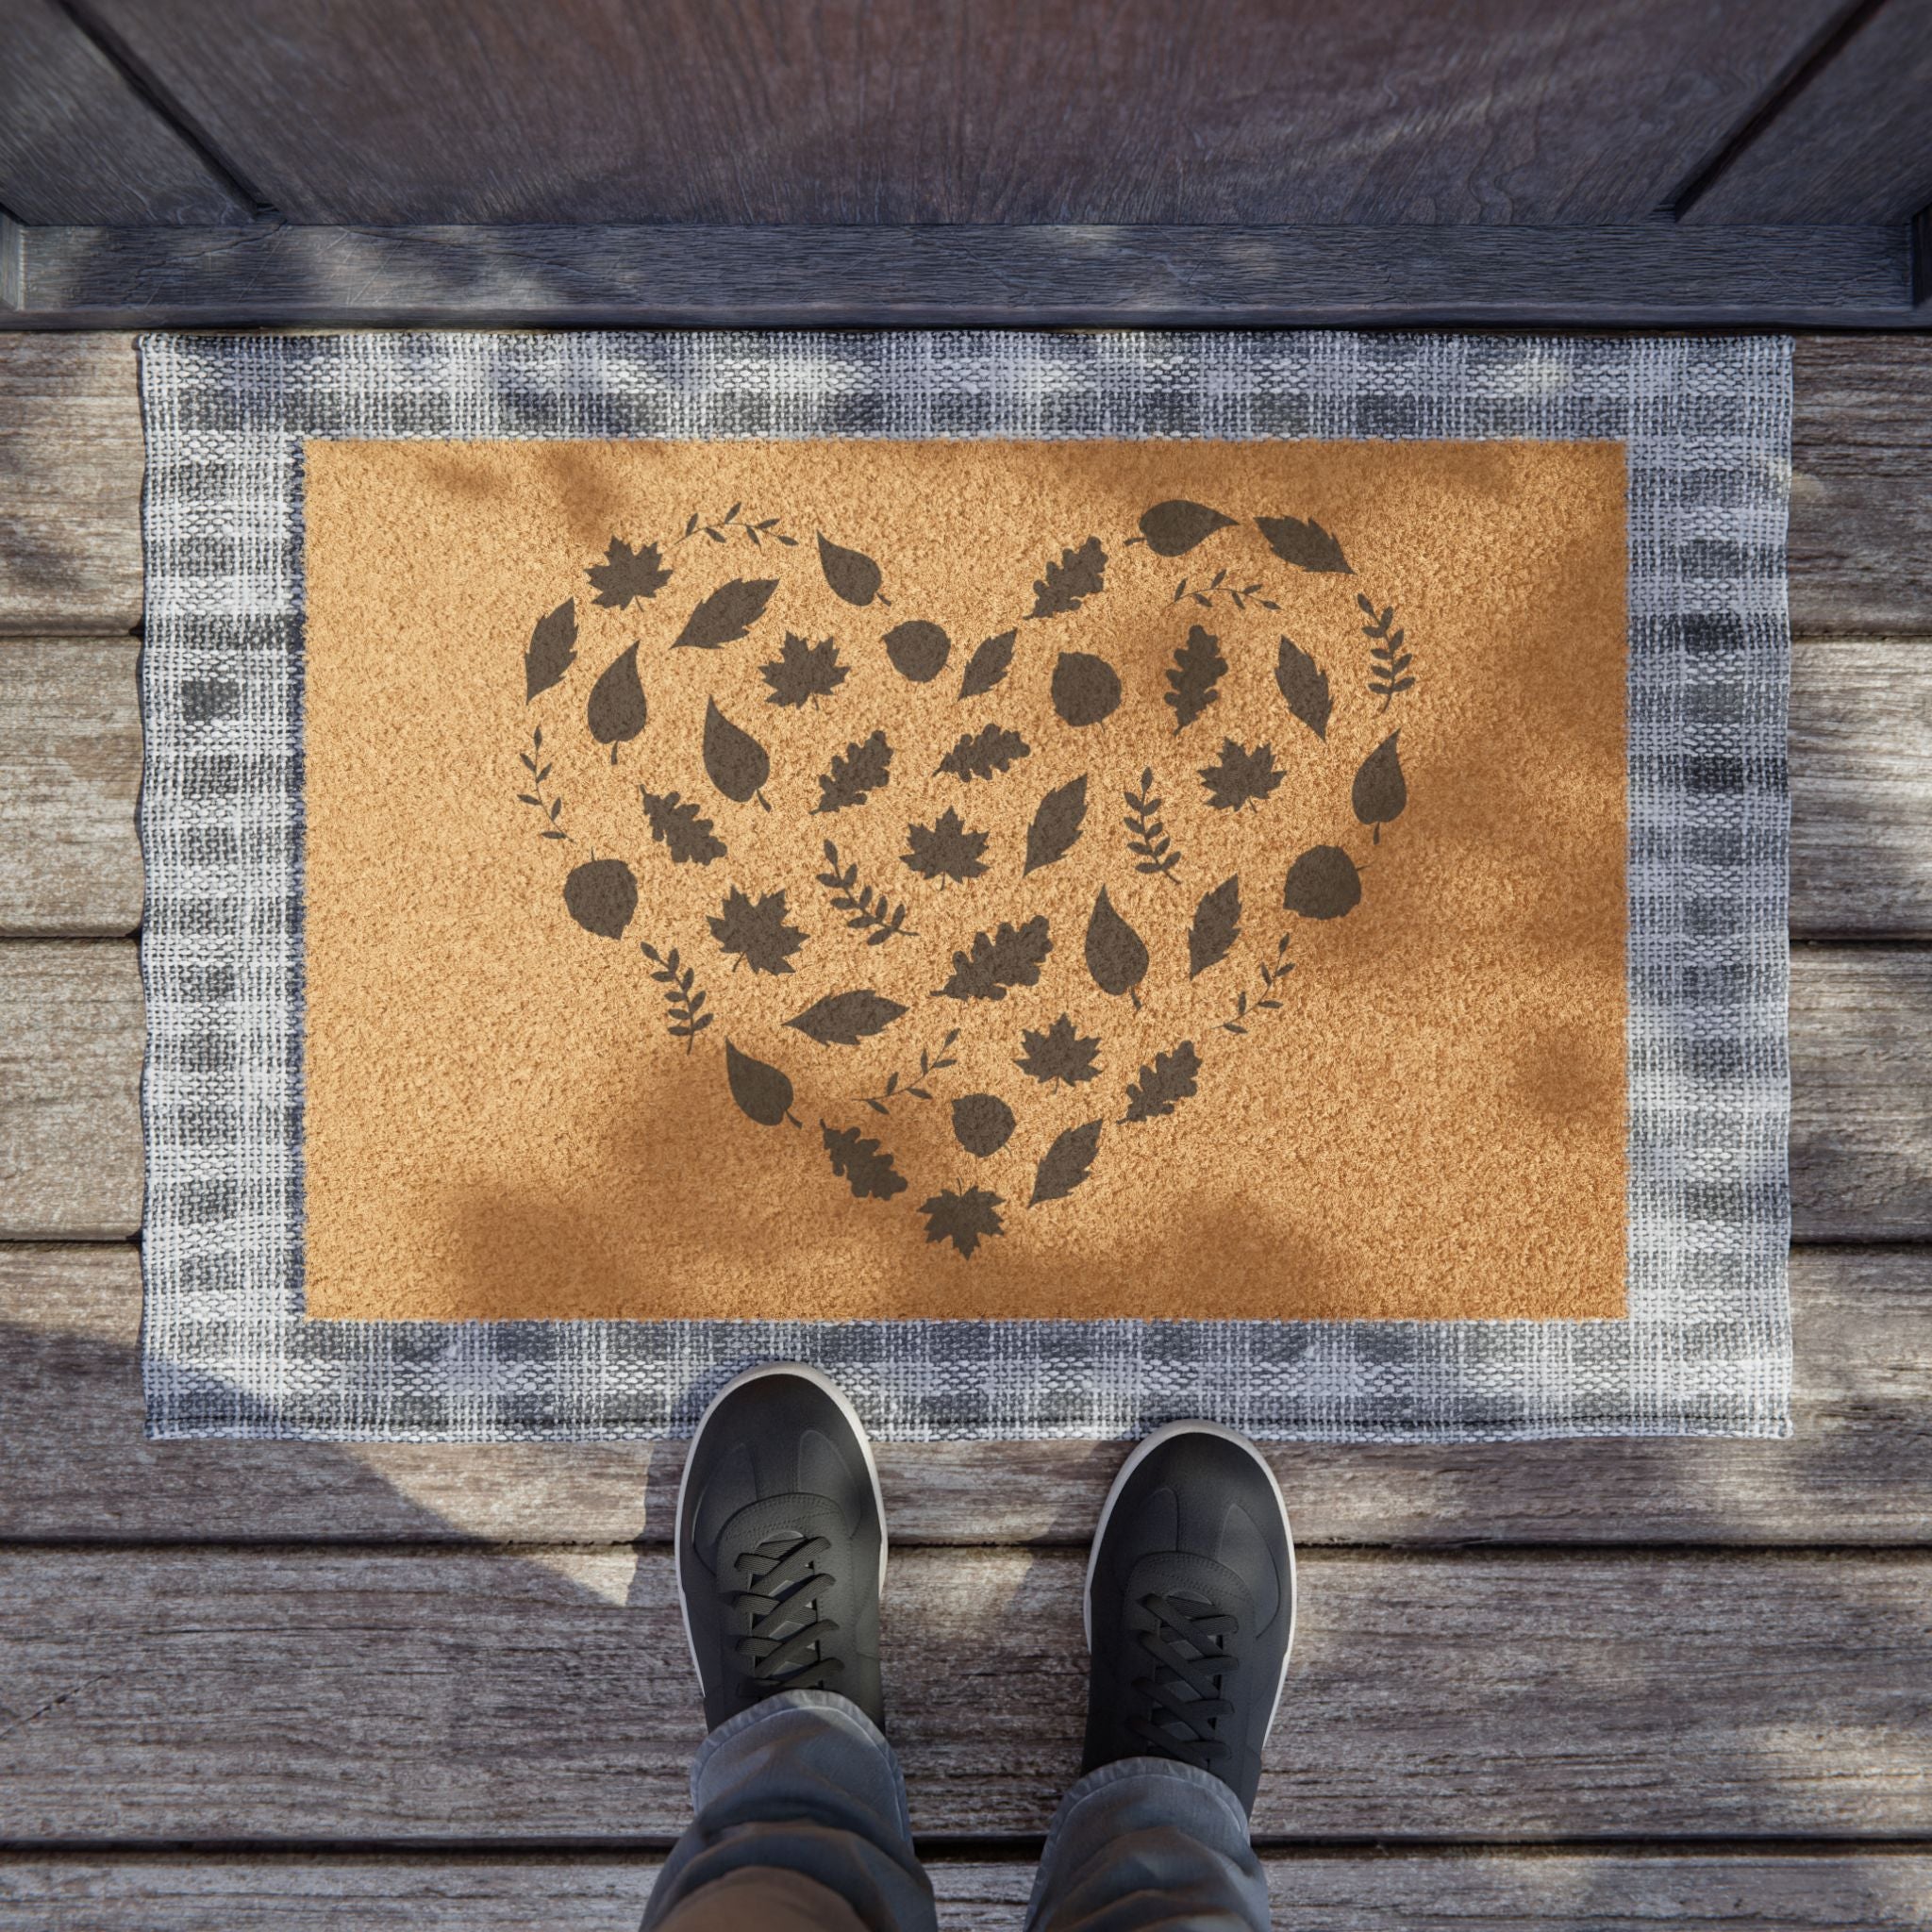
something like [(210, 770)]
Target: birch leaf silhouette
[(1323, 884), (601, 895), (1079, 573), (946, 849), (1216, 926), (1305, 685), (981, 754), (918, 650), (1010, 957), (626, 575), (1062, 1053), (761, 1091), (1086, 689), (855, 773), (849, 573), (675, 825), (1198, 669), (864, 1166), (1306, 546), (982, 1123), (1056, 824), (964, 1217), (988, 665), (726, 615), (803, 673), (756, 931), (1163, 1086), (1173, 528), (1065, 1164), (617, 711), (1116, 956), (1380, 789), (1238, 777), (735, 761), (553, 650), (843, 1019)]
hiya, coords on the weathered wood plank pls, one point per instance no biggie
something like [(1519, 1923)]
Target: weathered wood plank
[(70, 770), (1861, 788), (1427, 1891), (70, 485), (70, 1063), (1858, 1471), (1646, 274), (396, 1695)]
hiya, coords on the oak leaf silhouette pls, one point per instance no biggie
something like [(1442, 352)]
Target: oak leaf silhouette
[(803, 673), (843, 1019), (964, 1217), (1062, 1054), (1056, 824), (675, 824), (553, 650), (1238, 777), (625, 574), (918, 650), (988, 665), (946, 849), (1323, 884), (726, 615), (1116, 955), (982, 1123), (979, 754), (1198, 669), (756, 931), (1079, 575), (601, 895), (1163, 1086), (1306, 546), (762, 1091), (855, 773), (1065, 1164), (1173, 528), (1011, 956), (849, 573), (617, 711), (862, 1164), (1217, 924), (1380, 791)]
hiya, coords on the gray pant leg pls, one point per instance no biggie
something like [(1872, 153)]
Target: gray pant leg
[(1146, 1845), (800, 1824)]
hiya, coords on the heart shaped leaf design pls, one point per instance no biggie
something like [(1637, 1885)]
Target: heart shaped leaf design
[(982, 1123), (1380, 791), (617, 711), (601, 895)]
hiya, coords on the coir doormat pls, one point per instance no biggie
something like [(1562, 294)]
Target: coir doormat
[(1071, 880)]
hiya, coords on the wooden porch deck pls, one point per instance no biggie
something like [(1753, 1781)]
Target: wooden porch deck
[(1618, 1684)]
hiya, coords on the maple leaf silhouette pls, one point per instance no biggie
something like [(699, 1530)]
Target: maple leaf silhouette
[(945, 849), (756, 932), (1061, 1053), (963, 1218), (1238, 777), (979, 754), (803, 673), (863, 1164), (627, 574), (675, 823), (1078, 574)]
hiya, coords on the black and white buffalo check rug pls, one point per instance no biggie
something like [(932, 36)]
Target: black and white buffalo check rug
[(244, 1336)]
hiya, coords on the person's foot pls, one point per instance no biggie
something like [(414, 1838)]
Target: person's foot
[(781, 1544), (1190, 1606)]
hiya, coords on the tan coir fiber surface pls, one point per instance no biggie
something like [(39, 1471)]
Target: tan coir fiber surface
[(1422, 1115)]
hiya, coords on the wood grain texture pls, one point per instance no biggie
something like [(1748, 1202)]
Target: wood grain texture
[(1861, 485), (393, 1695), (1860, 747), (70, 485), (1859, 1469), (70, 769), (71, 1023), (79, 143), (1646, 274), (1849, 144), (370, 110), (1426, 1890)]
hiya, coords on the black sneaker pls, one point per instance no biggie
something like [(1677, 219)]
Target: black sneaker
[(1190, 1606), (781, 1544)]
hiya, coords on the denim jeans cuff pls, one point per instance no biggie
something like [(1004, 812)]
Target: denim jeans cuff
[(1122, 1769), (834, 1709)]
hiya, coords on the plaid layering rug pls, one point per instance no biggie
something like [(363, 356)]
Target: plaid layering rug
[(1071, 880)]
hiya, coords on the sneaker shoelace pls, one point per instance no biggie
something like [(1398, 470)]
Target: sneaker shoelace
[(1189, 1642), (778, 1587)]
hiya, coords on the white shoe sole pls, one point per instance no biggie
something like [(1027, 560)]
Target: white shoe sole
[(818, 1380), (1141, 1452)]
